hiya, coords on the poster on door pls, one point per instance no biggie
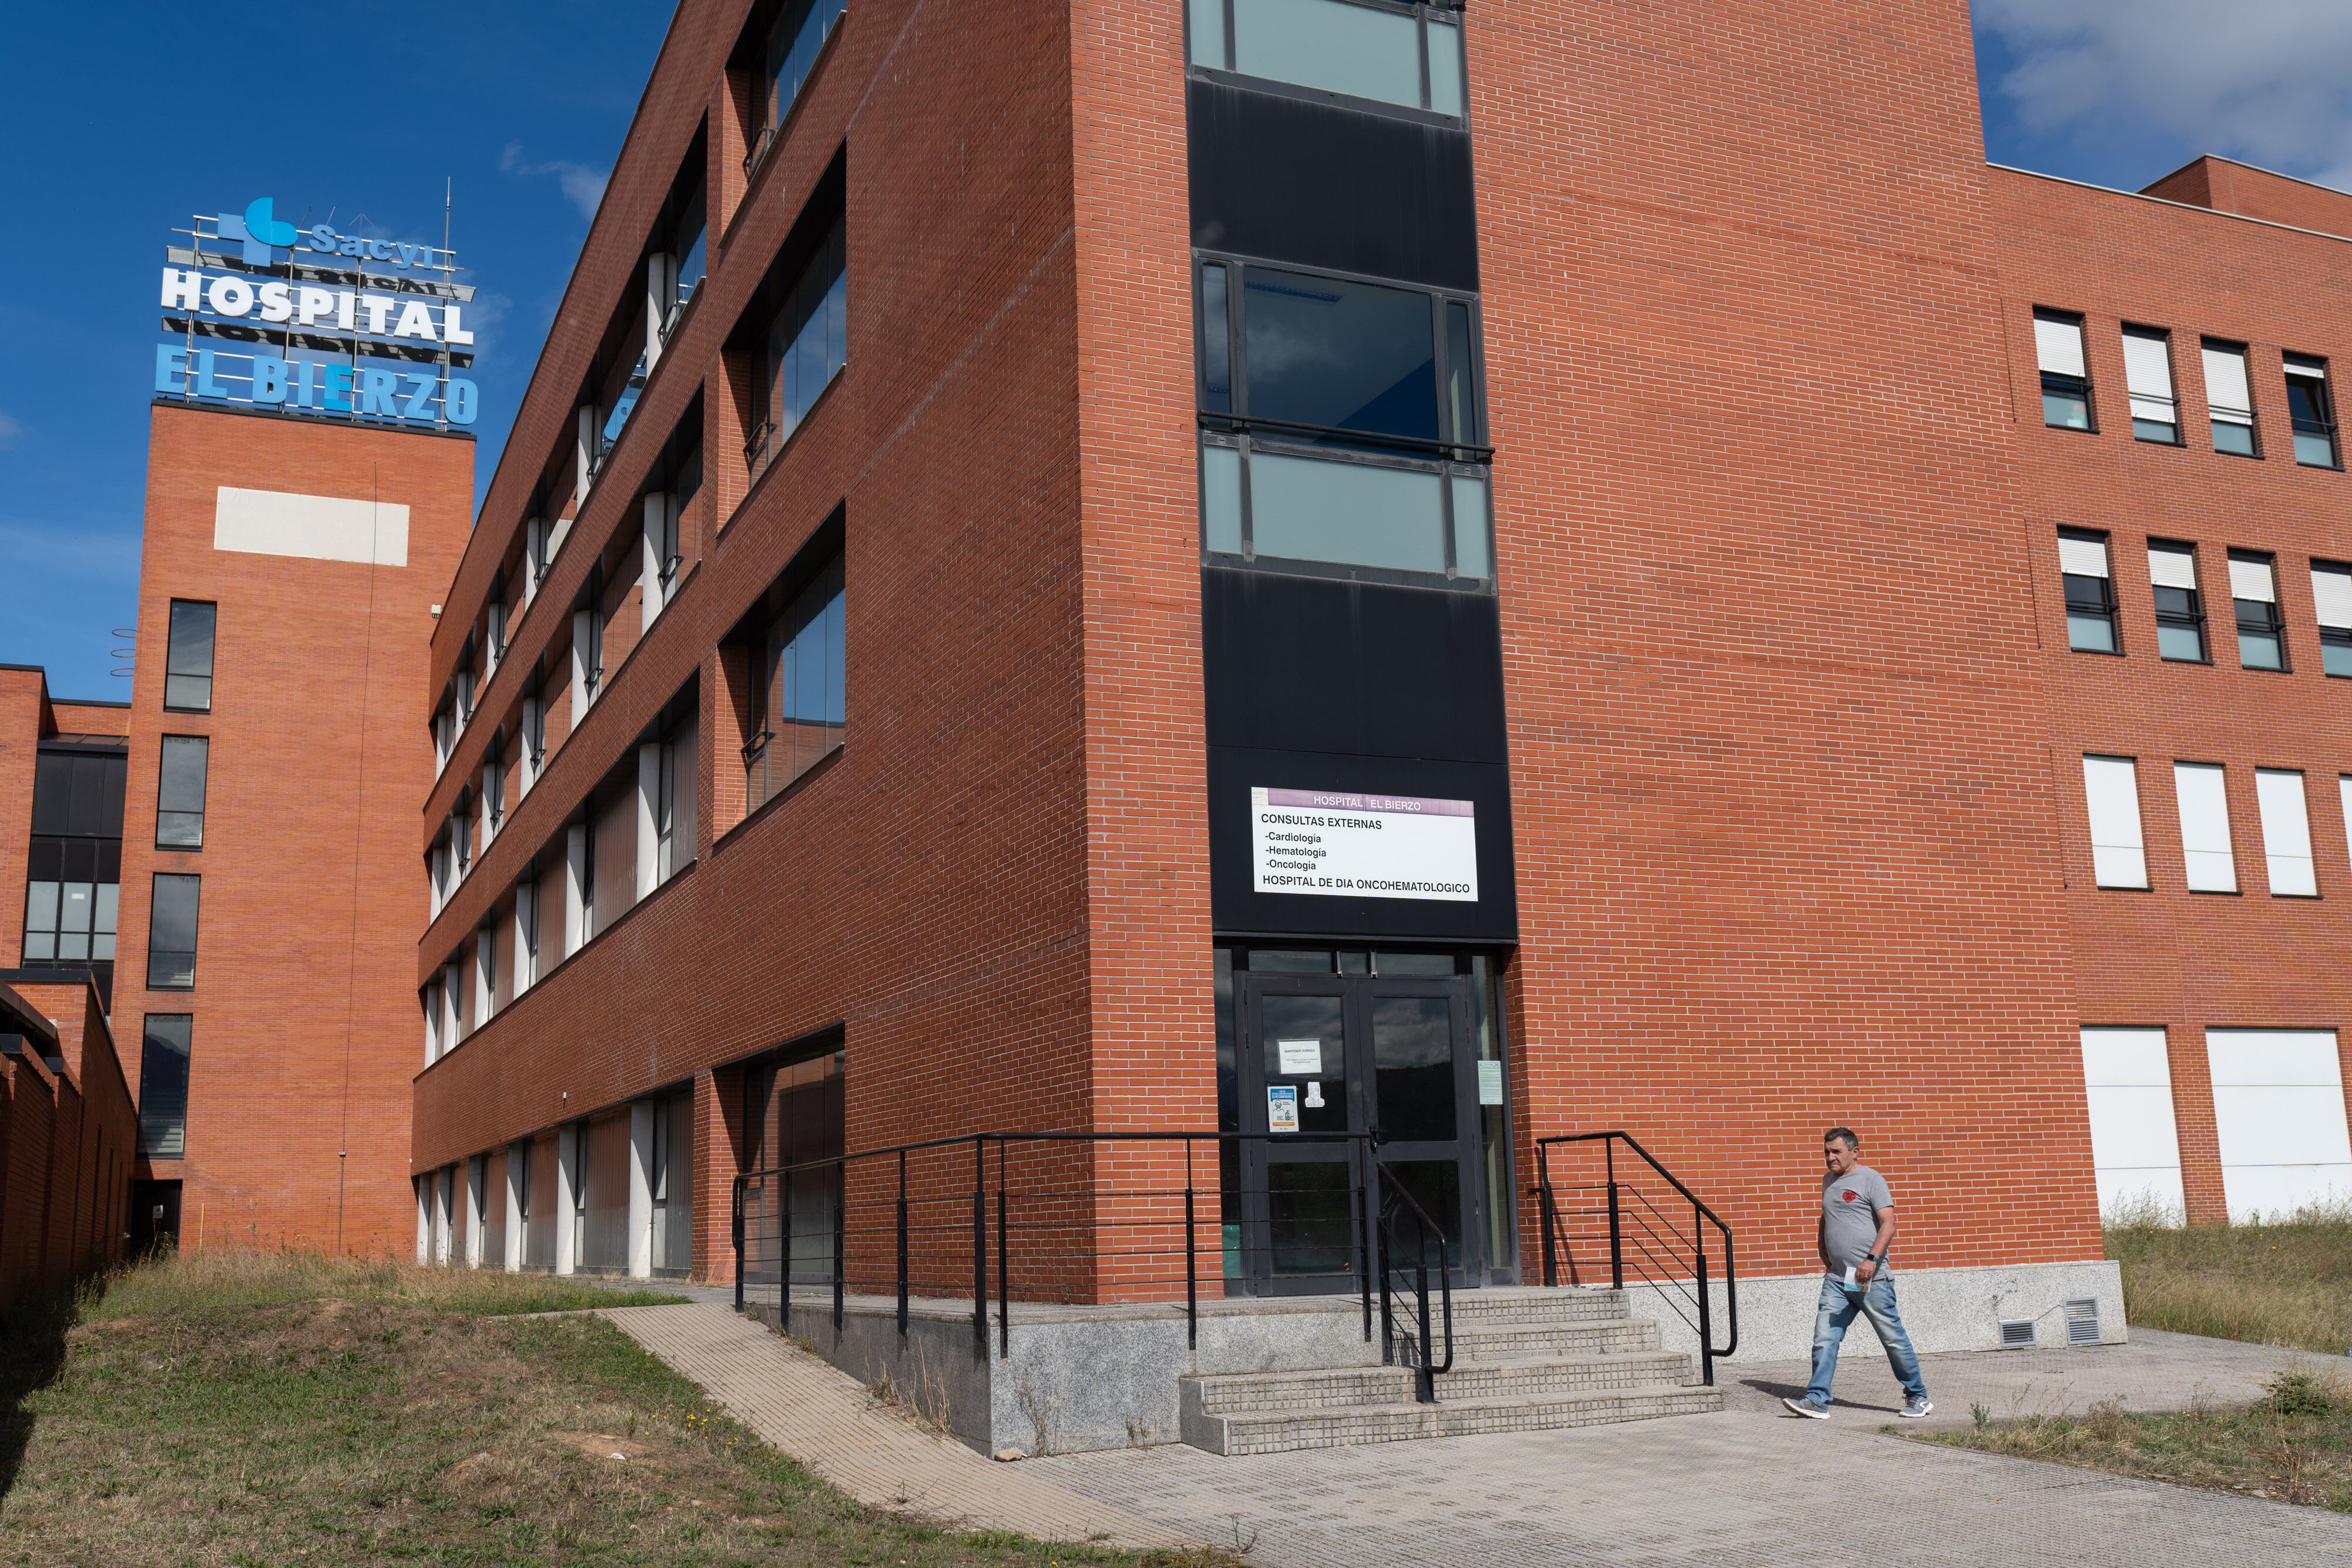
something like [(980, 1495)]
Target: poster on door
[(1341, 845)]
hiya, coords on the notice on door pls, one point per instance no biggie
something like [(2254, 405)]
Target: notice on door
[(1281, 1108), (1300, 1058), (1341, 845)]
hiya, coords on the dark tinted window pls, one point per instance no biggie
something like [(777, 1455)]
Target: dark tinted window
[(1349, 356), (163, 1086), (179, 793), (172, 933), (188, 664)]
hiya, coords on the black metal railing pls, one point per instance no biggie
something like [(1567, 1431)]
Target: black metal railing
[(1428, 1237), (1067, 1216), (1644, 1240)]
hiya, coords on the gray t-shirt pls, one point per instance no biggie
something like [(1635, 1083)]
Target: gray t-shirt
[(1850, 1206)]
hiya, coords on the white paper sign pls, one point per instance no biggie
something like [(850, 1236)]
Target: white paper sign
[(1340, 845), (1315, 1094), (1281, 1108), (1490, 1083), (1298, 1058)]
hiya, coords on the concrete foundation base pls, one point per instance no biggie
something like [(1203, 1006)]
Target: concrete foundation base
[(1082, 1378)]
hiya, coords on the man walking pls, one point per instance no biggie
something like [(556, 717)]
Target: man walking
[(1857, 1226)]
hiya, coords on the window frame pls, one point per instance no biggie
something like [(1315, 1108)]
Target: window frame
[(2083, 387), (2330, 637), (2111, 611), (2195, 618), (147, 1031), (2311, 369), (1454, 454), (163, 747), (2162, 337), (171, 654), (196, 933), (1230, 74), (758, 791), (2277, 628), (2252, 424)]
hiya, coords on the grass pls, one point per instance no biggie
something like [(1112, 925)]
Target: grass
[(2295, 1445), (2287, 1283), (242, 1409)]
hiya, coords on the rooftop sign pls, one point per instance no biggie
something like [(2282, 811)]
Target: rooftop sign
[(306, 320)]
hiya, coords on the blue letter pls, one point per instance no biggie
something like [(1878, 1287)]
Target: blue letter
[(170, 369), (205, 385), (268, 378), (458, 403), (375, 393), (322, 238), (339, 388), (416, 407)]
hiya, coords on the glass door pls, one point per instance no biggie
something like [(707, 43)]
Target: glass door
[(1422, 1097)]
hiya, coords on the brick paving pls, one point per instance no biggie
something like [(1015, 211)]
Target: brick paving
[(1744, 1487)]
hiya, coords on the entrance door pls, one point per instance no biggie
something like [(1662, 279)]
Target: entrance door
[(1353, 1053)]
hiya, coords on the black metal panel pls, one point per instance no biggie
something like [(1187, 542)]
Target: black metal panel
[(1292, 180), (1238, 910), (1321, 663)]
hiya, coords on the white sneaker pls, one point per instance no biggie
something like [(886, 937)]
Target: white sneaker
[(1915, 1408), (1808, 1409)]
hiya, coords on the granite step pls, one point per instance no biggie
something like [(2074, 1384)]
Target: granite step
[(1274, 1432), (1267, 1393)]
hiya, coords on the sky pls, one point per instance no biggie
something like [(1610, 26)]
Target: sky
[(365, 112)]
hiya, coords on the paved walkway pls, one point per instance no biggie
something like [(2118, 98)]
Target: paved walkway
[(1750, 1486), (825, 1420)]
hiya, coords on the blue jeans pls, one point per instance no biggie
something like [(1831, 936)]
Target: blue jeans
[(1836, 1314)]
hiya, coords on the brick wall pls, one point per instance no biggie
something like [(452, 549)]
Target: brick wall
[(67, 1135)]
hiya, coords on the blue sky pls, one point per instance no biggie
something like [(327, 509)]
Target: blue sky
[(366, 111)]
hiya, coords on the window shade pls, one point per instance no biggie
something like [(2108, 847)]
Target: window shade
[(2286, 832), (2147, 372), (2225, 385), (2331, 594), (2082, 558), (2311, 370), (2111, 790), (2171, 568), (2251, 580), (2058, 345), (2204, 801)]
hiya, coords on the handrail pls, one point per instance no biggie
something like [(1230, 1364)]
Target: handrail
[(1427, 1370), (1701, 1296)]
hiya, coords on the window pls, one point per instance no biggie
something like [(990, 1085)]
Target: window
[(808, 344), (163, 1086), (2229, 398), (188, 660), (534, 739), (2148, 376), (526, 935), (794, 43), (2286, 833), (172, 933), (2331, 599), (74, 862), (2090, 592), (1341, 424), (179, 793), (673, 800), (802, 697), (1408, 55), (2310, 412), (2111, 790), (2204, 802), (445, 739), (2180, 608), (2066, 380), (2261, 646)]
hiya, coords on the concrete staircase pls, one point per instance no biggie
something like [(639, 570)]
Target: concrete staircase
[(1524, 1361)]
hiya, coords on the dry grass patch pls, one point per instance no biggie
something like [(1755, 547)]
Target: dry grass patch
[(247, 1411), (2288, 1283)]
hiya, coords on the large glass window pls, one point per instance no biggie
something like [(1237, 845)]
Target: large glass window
[(2090, 591), (74, 861), (2227, 398), (188, 661), (1408, 55), (2311, 412), (802, 697), (172, 933), (2065, 376), (807, 344), (163, 1086), (794, 43), (179, 793), (1341, 422), (2253, 591), (2179, 606)]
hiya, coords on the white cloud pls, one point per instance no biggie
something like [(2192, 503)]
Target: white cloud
[(583, 186), (2267, 81), (10, 432)]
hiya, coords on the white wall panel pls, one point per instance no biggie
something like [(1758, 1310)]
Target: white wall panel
[(2135, 1146), (2278, 1108), (315, 527)]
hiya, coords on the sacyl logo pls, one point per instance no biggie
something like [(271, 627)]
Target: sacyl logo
[(268, 238), (265, 236)]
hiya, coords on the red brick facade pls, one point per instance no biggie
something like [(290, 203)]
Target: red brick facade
[(68, 1135)]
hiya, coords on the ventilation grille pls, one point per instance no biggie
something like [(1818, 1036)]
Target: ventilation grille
[(2017, 1335), (2083, 1321)]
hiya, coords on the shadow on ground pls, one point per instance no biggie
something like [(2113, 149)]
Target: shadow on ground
[(32, 1353)]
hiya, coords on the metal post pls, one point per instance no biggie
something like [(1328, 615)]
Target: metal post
[(1705, 1318), (739, 1246), (840, 1241), (1427, 1389), (1004, 1262), (902, 1243), (1544, 1213), (1616, 1241), (1358, 1189), (979, 1247), (1191, 1266), (1381, 1244), (784, 1260)]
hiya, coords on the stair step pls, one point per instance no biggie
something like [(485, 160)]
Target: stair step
[(1262, 1394), (1284, 1432), (1508, 1342), (1537, 1308)]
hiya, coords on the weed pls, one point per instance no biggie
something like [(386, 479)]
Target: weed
[(1981, 1414)]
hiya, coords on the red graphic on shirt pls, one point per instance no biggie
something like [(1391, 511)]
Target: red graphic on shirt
[(1849, 1194)]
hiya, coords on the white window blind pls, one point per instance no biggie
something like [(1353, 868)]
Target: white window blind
[(2204, 801), (2343, 798), (2147, 373), (2286, 832), (2253, 580), (2111, 790), (2058, 345), (2331, 594), (2134, 1145), (2171, 568), (2278, 1116), (2226, 391), (2082, 558)]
